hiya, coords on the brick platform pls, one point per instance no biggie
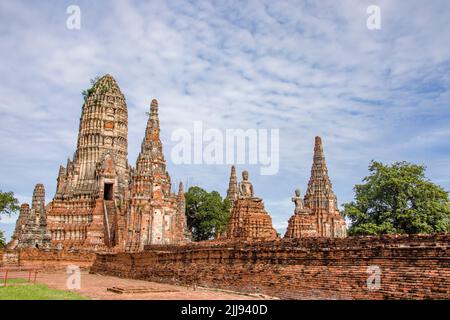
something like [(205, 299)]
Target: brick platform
[(250, 221), (47, 259)]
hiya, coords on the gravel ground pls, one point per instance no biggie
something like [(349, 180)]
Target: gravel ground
[(95, 287)]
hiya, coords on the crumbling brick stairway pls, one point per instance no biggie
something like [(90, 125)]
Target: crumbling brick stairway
[(109, 208)]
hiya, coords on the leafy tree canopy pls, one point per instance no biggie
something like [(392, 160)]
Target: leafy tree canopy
[(8, 204), (2, 240), (207, 213), (399, 199)]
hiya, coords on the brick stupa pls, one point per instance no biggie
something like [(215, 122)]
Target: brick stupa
[(317, 215), (249, 220), (31, 226)]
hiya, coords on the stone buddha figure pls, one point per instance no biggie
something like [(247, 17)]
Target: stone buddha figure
[(246, 188), (298, 201)]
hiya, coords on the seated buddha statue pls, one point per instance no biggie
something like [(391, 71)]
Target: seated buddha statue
[(246, 188), (298, 201)]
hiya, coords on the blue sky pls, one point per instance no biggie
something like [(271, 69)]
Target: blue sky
[(305, 67)]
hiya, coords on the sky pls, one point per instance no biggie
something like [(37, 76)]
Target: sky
[(306, 68)]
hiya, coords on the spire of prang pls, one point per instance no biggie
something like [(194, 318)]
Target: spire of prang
[(320, 192), (150, 161), (154, 111), (319, 169), (232, 192), (151, 147), (152, 130), (38, 201), (318, 150), (181, 190)]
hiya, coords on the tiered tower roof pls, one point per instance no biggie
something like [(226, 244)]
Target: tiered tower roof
[(320, 190), (232, 192), (38, 200), (151, 157)]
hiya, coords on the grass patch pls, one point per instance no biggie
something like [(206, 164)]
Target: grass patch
[(14, 281), (36, 292)]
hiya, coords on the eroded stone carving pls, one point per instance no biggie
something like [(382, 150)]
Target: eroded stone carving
[(246, 188), (298, 201)]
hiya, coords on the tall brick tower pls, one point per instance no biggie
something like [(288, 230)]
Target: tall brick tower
[(101, 203), (232, 191), (34, 233), (88, 206), (181, 234), (103, 131), (20, 226), (38, 200), (156, 214), (319, 194), (320, 199)]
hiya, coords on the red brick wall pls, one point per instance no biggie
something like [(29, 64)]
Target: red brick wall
[(55, 259), (412, 267)]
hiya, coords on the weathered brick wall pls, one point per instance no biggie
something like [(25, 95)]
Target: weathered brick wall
[(55, 259), (10, 259), (412, 267)]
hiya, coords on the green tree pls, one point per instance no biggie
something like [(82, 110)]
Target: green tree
[(2, 240), (87, 93), (8, 206), (207, 213), (398, 198)]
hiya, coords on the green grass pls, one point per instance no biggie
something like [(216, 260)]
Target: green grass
[(35, 292), (14, 281)]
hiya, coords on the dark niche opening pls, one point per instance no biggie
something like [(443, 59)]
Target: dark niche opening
[(108, 193)]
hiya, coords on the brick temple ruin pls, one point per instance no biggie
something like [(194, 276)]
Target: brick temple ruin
[(124, 221), (315, 215), (102, 203)]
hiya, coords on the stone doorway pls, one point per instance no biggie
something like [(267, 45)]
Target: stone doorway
[(108, 191)]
